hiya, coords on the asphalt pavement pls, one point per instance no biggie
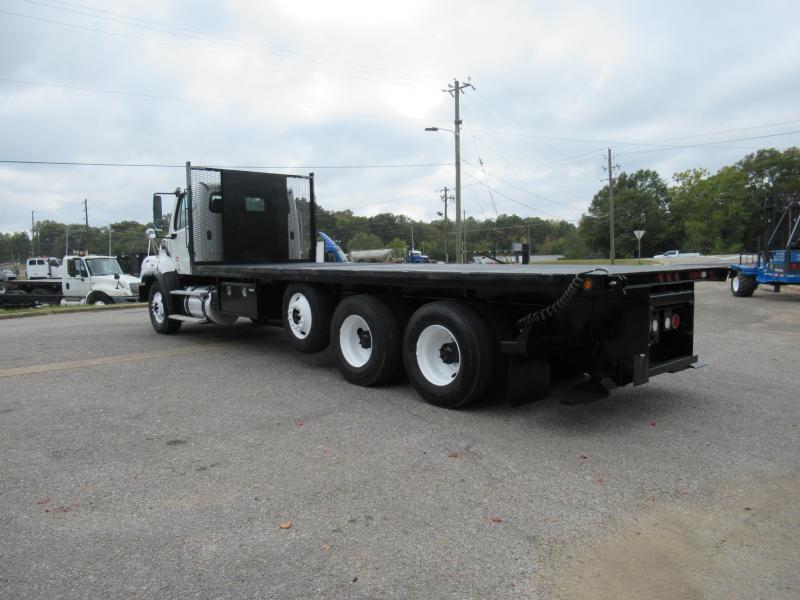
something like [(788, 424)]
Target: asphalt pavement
[(219, 463)]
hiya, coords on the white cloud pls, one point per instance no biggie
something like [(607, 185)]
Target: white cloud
[(300, 84)]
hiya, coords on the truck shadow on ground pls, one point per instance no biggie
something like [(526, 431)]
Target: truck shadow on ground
[(624, 408)]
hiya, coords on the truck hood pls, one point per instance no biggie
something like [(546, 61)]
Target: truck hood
[(126, 285)]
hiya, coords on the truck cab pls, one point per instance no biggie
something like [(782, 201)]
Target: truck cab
[(43, 267), (97, 280)]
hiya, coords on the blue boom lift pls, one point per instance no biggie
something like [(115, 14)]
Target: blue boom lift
[(778, 262)]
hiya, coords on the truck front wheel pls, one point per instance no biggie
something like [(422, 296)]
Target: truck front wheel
[(743, 286), (306, 317), (159, 311), (448, 354), (366, 337)]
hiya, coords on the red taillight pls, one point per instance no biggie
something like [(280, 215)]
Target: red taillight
[(676, 320)]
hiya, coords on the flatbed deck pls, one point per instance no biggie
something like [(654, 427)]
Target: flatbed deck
[(420, 274)]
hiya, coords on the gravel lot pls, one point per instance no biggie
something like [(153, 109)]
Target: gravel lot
[(156, 466)]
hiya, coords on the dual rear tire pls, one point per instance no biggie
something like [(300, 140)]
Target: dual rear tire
[(446, 347)]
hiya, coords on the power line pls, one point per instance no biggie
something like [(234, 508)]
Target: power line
[(179, 46), (506, 196), (564, 204), (613, 142), (204, 101), (273, 49), (183, 166)]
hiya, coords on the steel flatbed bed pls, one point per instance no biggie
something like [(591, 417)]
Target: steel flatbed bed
[(404, 274)]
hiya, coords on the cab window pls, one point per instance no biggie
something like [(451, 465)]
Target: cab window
[(76, 268), (181, 216)]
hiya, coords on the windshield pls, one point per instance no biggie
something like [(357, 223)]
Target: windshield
[(103, 266)]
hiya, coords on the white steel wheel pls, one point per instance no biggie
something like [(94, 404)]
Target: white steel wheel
[(366, 339), (355, 341), (307, 311), (299, 316), (449, 353), (438, 355), (735, 284), (157, 308)]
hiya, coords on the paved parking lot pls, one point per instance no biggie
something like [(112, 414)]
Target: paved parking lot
[(138, 465)]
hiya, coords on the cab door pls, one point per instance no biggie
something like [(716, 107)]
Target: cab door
[(180, 236), (76, 281)]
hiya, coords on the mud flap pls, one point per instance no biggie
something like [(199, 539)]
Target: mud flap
[(528, 380)]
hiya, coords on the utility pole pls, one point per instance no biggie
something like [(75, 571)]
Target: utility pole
[(33, 234), (66, 241), (611, 205), (445, 198), (86, 212), (455, 90), (412, 236), (464, 230), (109, 239)]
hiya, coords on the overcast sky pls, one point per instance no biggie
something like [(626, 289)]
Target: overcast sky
[(307, 85)]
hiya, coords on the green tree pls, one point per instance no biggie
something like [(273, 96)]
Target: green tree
[(364, 241), (641, 201), (399, 246)]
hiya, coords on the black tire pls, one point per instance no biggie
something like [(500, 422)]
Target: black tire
[(159, 311), (306, 317), (743, 286), (3, 287), (102, 299), (41, 292), (367, 339), (443, 334)]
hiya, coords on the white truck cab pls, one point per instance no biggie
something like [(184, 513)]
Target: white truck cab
[(98, 280), (43, 267)]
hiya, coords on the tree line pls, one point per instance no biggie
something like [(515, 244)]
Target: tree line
[(702, 212), (698, 211), (51, 238)]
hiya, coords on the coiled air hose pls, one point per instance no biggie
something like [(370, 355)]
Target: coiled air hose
[(550, 311)]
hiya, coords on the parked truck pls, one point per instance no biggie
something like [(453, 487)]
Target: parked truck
[(243, 244), (43, 267), (84, 279)]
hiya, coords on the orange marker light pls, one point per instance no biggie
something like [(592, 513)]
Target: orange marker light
[(587, 284)]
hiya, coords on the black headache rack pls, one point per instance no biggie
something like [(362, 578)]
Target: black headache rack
[(246, 217)]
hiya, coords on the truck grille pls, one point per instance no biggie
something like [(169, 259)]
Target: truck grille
[(135, 288)]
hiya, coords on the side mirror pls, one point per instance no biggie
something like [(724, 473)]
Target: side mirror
[(116, 276), (150, 233), (157, 214)]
